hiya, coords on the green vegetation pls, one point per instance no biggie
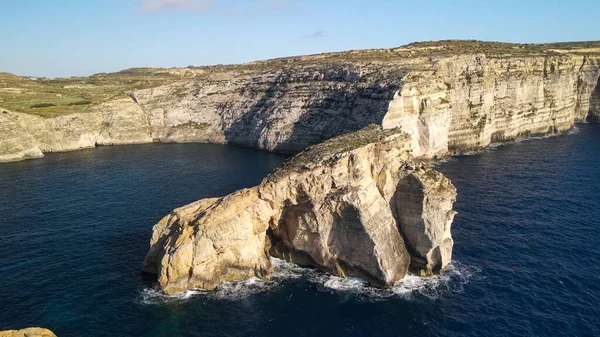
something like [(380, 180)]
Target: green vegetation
[(86, 102), (193, 125), (419, 49), (42, 105), (53, 97), (333, 148)]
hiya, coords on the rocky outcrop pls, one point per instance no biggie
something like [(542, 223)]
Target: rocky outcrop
[(352, 206), (448, 100), (29, 332), (211, 241)]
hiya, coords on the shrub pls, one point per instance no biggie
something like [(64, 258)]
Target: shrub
[(84, 102), (42, 105)]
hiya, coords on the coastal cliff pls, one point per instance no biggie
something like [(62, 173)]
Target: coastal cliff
[(449, 96), (355, 205), (594, 114)]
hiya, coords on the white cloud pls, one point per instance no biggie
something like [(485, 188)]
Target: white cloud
[(275, 5), (187, 5), (318, 33)]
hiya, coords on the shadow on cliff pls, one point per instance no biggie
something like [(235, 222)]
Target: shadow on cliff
[(594, 113), (340, 111), (337, 107), (248, 127)]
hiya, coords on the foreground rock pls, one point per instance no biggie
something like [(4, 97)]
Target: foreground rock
[(352, 206), (29, 332)]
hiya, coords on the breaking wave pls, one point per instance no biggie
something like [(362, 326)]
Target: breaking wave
[(452, 280), (411, 286)]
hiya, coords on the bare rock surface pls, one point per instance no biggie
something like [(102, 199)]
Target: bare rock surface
[(337, 206), (28, 332), (448, 100)]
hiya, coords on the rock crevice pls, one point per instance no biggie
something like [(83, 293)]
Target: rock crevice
[(594, 113)]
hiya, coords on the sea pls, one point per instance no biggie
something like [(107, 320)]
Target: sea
[(75, 228)]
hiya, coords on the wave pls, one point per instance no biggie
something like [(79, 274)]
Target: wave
[(574, 130), (451, 280)]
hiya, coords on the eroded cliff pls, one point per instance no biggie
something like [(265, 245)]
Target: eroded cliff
[(450, 96), (355, 205), (594, 114)]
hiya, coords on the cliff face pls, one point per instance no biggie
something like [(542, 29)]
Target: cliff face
[(594, 115), (466, 103), (351, 206), (28, 136), (448, 102)]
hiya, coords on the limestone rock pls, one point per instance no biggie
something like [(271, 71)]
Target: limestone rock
[(424, 202), (211, 241), (337, 206), (28, 332), (448, 102), (594, 114), (14, 143)]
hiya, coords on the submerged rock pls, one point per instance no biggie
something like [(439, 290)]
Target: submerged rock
[(28, 332), (352, 206)]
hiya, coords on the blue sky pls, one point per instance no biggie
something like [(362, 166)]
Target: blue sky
[(80, 37)]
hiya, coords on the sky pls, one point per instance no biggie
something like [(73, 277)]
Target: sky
[(62, 38)]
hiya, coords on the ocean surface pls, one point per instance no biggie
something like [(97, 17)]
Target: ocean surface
[(75, 227)]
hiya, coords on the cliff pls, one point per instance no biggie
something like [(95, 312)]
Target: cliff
[(354, 205), (594, 114), (29, 332), (450, 96)]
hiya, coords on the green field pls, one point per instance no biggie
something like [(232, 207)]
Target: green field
[(52, 97)]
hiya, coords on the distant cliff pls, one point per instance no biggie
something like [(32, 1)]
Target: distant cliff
[(451, 97)]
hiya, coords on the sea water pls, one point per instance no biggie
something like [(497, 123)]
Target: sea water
[(75, 227)]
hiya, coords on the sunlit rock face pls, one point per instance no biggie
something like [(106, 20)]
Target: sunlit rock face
[(355, 205), (448, 102), (28, 332)]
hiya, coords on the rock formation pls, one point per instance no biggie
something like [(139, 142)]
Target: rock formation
[(355, 205), (594, 114), (450, 96), (29, 332)]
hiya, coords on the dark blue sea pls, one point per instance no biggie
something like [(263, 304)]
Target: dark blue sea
[(75, 227)]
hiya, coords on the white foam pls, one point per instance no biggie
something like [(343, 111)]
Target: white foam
[(452, 280), (151, 296), (575, 130)]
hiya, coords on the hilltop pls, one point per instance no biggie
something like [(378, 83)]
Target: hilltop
[(50, 97)]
